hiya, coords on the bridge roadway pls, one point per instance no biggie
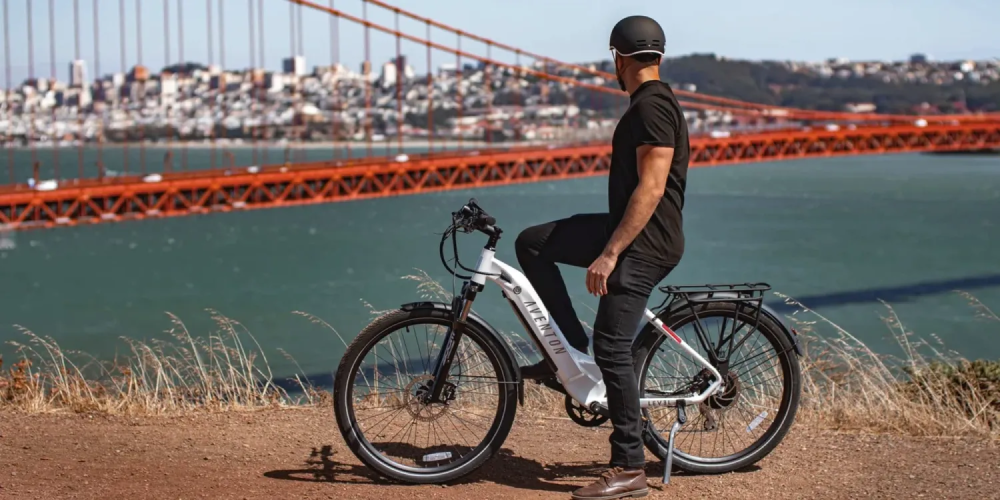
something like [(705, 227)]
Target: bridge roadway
[(85, 201)]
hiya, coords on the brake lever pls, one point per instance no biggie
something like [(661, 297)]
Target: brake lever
[(460, 222), (470, 213)]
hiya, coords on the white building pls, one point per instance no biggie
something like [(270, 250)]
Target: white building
[(168, 89), (78, 73), (389, 74), (295, 65), (274, 82)]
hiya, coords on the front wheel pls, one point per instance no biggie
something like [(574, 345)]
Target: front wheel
[(385, 422), (751, 413)]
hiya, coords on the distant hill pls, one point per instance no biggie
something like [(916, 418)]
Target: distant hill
[(775, 83), (186, 68)]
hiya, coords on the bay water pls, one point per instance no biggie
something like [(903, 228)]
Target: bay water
[(837, 234)]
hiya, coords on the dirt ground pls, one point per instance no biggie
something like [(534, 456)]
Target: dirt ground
[(299, 454)]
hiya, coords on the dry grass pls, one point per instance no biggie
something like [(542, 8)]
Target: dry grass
[(224, 371), (928, 391)]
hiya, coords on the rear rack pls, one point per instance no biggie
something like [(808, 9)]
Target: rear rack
[(744, 290), (751, 294)]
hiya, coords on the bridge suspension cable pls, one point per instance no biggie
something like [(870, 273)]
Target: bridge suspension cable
[(354, 134)]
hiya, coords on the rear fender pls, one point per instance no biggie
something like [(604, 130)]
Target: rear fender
[(481, 323), (789, 332)]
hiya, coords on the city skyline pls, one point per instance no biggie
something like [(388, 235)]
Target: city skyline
[(921, 29)]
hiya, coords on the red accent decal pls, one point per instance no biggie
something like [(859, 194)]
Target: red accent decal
[(672, 334)]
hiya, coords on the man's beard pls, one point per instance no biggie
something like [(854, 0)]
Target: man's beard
[(621, 81)]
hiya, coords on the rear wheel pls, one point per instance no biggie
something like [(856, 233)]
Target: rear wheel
[(744, 421), (378, 389)]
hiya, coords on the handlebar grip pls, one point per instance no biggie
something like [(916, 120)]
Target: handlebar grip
[(489, 220)]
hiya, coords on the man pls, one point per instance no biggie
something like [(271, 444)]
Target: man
[(626, 251)]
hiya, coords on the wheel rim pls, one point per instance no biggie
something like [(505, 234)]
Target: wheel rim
[(406, 427), (742, 417)]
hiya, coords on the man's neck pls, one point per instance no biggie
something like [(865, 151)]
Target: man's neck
[(640, 77)]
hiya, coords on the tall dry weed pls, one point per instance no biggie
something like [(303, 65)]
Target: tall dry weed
[(927, 391)]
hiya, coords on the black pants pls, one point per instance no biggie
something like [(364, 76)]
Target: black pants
[(578, 241)]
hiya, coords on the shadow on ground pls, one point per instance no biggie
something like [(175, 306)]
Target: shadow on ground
[(504, 468)]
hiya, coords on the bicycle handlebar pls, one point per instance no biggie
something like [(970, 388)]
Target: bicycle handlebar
[(471, 217)]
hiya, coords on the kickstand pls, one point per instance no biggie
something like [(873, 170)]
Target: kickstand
[(681, 420)]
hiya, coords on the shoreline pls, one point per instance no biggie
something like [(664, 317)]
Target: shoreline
[(350, 145)]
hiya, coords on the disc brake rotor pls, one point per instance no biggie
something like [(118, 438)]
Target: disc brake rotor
[(415, 405)]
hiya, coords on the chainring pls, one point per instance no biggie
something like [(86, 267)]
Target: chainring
[(581, 415)]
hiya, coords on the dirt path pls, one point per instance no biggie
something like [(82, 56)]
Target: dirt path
[(299, 454)]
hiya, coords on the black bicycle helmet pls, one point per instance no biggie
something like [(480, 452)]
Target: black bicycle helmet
[(637, 35)]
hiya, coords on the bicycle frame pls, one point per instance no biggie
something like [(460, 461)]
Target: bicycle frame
[(576, 375), (577, 371)]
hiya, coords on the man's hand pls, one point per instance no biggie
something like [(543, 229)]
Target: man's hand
[(598, 272)]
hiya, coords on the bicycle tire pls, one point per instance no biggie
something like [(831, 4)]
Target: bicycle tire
[(381, 327), (650, 338)]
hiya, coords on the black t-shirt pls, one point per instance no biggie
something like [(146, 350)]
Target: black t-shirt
[(653, 117)]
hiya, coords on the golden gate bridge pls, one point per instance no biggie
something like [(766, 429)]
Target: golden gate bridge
[(148, 192)]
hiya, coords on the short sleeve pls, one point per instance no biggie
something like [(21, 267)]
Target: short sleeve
[(654, 123)]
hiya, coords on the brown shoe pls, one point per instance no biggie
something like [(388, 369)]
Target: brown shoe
[(615, 483)]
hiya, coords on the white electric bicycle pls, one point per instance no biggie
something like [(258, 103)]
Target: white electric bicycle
[(427, 393)]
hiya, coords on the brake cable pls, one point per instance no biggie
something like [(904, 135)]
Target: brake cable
[(444, 237), (451, 231)]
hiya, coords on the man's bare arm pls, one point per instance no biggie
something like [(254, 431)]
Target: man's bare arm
[(654, 167)]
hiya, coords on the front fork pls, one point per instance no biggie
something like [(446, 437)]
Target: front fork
[(460, 307)]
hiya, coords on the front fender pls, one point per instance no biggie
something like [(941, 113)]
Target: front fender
[(479, 322)]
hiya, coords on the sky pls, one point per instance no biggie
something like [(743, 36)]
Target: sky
[(568, 30)]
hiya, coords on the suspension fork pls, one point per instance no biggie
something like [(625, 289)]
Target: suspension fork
[(460, 307)]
